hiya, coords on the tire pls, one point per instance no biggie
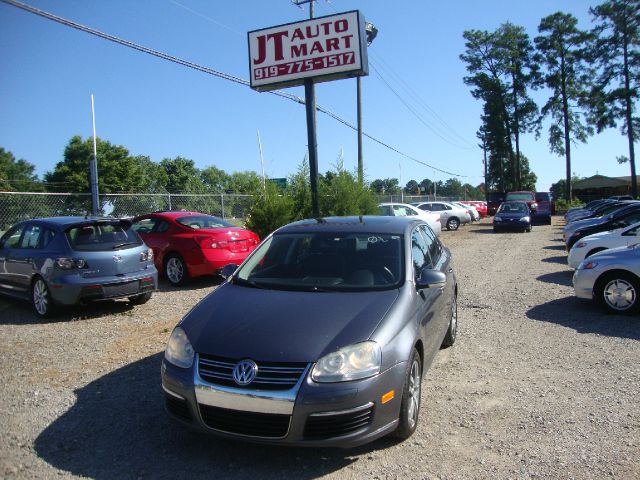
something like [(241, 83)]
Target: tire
[(411, 393), (618, 292), (140, 299), (176, 270), (453, 223), (452, 331), (41, 300)]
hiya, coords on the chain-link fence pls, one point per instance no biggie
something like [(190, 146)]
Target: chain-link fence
[(16, 206)]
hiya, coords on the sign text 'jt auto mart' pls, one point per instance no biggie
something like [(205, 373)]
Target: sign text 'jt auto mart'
[(326, 48)]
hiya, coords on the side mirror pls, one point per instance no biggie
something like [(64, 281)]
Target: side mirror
[(227, 270), (431, 279)]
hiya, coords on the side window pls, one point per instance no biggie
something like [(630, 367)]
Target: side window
[(144, 225), (633, 232), (386, 211), (31, 236), (11, 239), (435, 248), (436, 207), (161, 227), (419, 254), (46, 237), (427, 206), (631, 218), (446, 207)]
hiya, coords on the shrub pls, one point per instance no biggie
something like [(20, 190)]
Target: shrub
[(270, 210)]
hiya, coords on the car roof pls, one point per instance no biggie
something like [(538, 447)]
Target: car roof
[(65, 221), (173, 213), (353, 224)]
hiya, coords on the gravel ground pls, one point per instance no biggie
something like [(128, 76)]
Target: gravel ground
[(538, 385)]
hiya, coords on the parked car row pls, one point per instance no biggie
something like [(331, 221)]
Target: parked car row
[(72, 260), (603, 243), (449, 215)]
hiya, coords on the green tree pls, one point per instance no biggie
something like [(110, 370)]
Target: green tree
[(617, 50), (412, 188), (215, 179), (17, 175), (270, 210), (562, 50), (182, 176), (502, 69), (299, 189), (345, 195), (117, 171), (247, 182)]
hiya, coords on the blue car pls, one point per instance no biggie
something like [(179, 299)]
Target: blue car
[(72, 260), (514, 215)]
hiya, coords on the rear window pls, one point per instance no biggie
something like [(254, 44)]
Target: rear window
[(521, 196), (542, 197), (102, 236), (203, 221)]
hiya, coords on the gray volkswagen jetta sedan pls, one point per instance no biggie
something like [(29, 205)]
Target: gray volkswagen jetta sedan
[(320, 337)]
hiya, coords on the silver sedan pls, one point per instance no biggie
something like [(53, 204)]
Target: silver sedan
[(611, 278)]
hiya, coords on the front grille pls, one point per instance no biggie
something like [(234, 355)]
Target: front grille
[(270, 375), (266, 425), (177, 407), (323, 425)]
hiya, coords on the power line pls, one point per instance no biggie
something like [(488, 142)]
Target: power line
[(207, 70)]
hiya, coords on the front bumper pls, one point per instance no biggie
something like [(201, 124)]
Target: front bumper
[(511, 225), (74, 289), (583, 283), (344, 414)]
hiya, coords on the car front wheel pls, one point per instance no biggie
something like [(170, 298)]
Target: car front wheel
[(41, 298), (452, 331), (410, 407), (618, 292), (176, 270)]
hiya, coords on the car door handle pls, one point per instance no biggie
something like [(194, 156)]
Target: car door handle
[(450, 270)]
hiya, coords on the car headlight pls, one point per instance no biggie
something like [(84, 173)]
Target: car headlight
[(524, 219), (354, 362), (179, 350), (587, 265), (497, 219), (580, 245)]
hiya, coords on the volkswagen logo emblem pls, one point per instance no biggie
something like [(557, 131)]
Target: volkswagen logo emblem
[(117, 258), (245, 372)]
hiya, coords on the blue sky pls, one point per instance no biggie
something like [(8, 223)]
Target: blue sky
[(153, 107)]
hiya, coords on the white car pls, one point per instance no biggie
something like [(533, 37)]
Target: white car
[(393, 209), (451, 216), (622, 237), (475, 216)]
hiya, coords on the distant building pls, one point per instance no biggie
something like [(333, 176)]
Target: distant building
[(600, 186)]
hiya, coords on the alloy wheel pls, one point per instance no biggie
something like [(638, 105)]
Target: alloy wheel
[(175, 270), (619, 294), (40, 297), (414, 393)]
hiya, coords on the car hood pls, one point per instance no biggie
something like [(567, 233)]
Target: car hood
[(625, 254), (283, 326), (596, 237)]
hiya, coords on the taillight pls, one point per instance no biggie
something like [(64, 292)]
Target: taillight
[(66, 263), (146, 255), (211, 242)]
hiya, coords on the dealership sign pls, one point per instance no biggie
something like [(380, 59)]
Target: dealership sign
[(325, 48)]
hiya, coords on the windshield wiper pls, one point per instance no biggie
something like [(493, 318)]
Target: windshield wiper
[(120, 245), (247, 283)]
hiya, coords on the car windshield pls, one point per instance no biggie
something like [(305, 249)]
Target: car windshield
[(513, 208), (325, 262), (203, 221), (520, 196), (102, 236), (542, 197)]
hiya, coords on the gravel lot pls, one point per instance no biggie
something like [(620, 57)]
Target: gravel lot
[(539, 384)]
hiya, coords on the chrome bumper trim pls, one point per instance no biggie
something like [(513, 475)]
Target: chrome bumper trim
[(343, 412), (259, 401)]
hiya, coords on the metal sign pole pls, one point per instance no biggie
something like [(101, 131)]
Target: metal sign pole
[(310, 102), (93, 168)]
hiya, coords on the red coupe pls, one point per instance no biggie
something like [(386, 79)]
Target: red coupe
[(191, 244)]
